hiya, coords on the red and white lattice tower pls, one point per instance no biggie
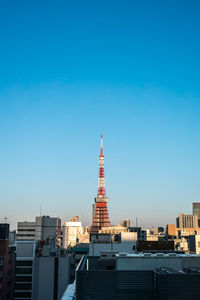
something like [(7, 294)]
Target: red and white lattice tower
[(100, 216)]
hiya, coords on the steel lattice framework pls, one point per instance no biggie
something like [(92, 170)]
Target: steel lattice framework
[(100, 210)]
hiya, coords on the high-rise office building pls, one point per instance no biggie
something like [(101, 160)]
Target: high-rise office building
[(43, 228), (196, 210), (100, 211), (187, 221)]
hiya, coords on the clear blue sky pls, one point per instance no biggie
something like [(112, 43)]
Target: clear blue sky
[(70, 68)]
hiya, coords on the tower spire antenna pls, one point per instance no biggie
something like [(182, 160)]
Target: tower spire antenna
[(101, 143)]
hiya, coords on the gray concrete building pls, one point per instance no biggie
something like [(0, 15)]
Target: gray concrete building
[(196, 210), (41, 273), (43, 228), (25, 251), (144, 277), (51, 274)]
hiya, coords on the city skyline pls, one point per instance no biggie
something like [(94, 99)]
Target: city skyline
[(68, 71)]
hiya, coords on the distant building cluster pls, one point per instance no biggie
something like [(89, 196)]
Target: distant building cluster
[(45, 259)]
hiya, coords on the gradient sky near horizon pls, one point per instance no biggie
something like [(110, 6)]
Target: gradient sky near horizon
[(71, 68)]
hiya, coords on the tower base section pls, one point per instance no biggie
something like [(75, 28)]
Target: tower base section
[(100, 217)]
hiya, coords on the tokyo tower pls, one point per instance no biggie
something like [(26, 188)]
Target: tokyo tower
[(100, 216)]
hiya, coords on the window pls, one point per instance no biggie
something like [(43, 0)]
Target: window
[(23, 279), (22, 295), (26, 235), (23, 286), (25, 229), (24, 263), (23, 271), (1, 260)]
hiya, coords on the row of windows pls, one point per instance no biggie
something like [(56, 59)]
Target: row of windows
[(24, 271), (26, 235), (23, 286), (23, 279), (25, 229), (22, 294), (24, 263)]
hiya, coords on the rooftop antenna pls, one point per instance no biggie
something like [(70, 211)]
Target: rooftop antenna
[(40, 210), (136, 222), (5, 219)]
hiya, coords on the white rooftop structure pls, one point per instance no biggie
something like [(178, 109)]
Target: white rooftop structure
[(148, 261)]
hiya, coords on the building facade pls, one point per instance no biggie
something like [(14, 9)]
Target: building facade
[(187, 221), (145, 277), (196, 210), (43, 228), (24, 269), (51, 274), (7, 264), (71, 233)]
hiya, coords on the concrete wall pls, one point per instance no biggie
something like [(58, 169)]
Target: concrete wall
[(46, 277), (96, 248), (63, 275), (25, 249), (151, 262), (43, 278)]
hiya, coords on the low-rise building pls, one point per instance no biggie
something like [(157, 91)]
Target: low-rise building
[(194, 244), (127, 246), (181, 244), (141, 233), (113, 229), (138, 276), (171, 230)]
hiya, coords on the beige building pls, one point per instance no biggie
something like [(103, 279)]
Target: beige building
[(197, 244), (113, 229), (71, 232), (171, 229), (187, 221), (84, 237), (181, 244)]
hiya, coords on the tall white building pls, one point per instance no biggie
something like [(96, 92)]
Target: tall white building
[(71, 232)]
